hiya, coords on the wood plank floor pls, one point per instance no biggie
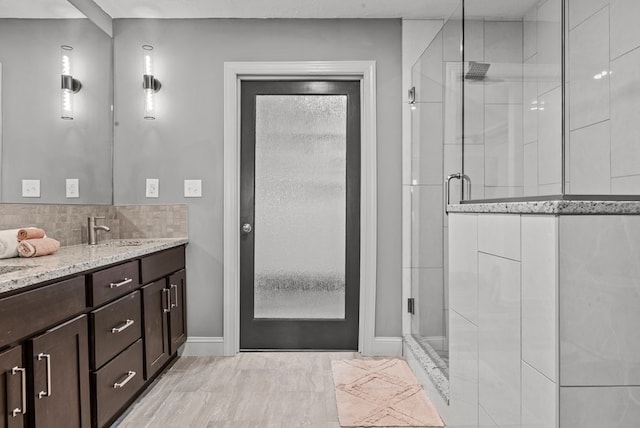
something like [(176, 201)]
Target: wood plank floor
[(255, 389)]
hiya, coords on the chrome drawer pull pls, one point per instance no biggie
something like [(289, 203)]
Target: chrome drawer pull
[(47, 393), (127, 324), (121, 283), (175, 291), (130, 376), (167, 294), (23, 376)]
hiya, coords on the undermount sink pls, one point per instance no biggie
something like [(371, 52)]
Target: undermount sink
[(9, 269)]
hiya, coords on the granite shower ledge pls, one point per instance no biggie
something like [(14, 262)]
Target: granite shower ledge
[(76, 259), (560, 207)]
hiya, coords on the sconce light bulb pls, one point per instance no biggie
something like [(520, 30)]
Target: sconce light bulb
[(149, 106), (66, 65), (148, 69)]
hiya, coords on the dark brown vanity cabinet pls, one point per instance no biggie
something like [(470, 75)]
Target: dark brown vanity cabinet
[(60, 382), (164, 300), (13, 388), (75, 353)]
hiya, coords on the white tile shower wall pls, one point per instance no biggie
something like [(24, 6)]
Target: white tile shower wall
[(497, 370), (463, 265), (550, 141), (428, 292), (590, 155), (539, 285), (599, 301), (427, 148), (426, 227), (595, 407), (499, 338), (463, 371), (539, 399), (604, 76)]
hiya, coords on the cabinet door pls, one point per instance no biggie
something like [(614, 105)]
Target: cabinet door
[(12, 389), (60, 392), (178, 313), (155, 305)]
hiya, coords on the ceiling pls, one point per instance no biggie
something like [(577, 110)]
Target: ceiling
[(408, 9)]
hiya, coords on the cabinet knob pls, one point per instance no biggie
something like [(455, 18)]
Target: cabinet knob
[(246, 228)]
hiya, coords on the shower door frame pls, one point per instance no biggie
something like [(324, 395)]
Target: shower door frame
[(363, 71)]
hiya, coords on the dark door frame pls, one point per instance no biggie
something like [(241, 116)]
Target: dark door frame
[(288, 333)]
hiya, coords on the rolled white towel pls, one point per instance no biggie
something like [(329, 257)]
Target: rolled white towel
[(8, 243)]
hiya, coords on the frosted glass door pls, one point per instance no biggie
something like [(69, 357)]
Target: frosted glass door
[(300, 206), (300, 215)]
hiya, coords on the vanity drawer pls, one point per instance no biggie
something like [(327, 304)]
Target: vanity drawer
[(115, 326), (107, 284), (117, 382), (162, 264), (26, 313)]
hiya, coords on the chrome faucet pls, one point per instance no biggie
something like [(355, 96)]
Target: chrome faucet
[(93, 227)]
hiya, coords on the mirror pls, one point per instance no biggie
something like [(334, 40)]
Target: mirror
[(35, 142)]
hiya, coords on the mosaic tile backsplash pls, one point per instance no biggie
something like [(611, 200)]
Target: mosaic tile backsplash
[(68, 223)]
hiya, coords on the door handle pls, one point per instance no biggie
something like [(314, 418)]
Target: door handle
[(246, 228), (174, 287), (23, 376), (43, 356)]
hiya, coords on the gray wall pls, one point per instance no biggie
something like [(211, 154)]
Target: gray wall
[(36, 142), (186, 139)]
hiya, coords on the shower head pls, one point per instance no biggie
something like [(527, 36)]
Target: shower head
[(477, 71)]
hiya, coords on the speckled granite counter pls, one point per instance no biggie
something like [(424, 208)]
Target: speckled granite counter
[(75, 259), (550, 207)]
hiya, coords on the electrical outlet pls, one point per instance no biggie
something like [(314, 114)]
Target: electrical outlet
[(30, 188), (153, 185), (192, 188), (73, 188)]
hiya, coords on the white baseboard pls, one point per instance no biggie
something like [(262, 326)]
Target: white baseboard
[(203, 347), (387, 347)]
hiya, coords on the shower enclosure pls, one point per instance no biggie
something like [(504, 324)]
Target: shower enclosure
[(516, 100)]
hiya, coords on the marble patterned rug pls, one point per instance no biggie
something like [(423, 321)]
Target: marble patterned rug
[(381, 393)]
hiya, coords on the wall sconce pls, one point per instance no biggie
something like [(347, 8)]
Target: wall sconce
[(68, 84), (412, 98), (150, 84)]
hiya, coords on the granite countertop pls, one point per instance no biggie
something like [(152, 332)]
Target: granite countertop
[(23, 272), (561, 207)]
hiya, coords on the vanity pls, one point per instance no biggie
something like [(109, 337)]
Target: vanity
[(86, 330)]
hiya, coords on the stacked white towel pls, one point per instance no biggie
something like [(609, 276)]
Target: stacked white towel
[(8, 243)]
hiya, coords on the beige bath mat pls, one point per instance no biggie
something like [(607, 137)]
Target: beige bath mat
[(381, 393)]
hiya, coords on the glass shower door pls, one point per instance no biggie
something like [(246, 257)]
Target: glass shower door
[(436, 153)]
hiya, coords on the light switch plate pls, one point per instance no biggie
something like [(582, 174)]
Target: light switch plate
[(73, 187), (30, 188), (192, 188), (153, 185)]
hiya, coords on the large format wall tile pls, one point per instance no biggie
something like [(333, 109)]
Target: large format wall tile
[(426, 226), (427, 288), (503, 41), (463, 371), (579, 10), (499, 338), (625, 35), (599, 300), (625, 104), (499, 234), (588, 58), (590, 157), (549, 44), (484, 420), (463, 265), (530, 168), (539, 291), (600, 407), (503, 145), (550, 137), (426, 156), (530, 38), (539, 398)]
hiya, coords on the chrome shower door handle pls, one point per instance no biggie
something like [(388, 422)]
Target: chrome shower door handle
[(447, 190)]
